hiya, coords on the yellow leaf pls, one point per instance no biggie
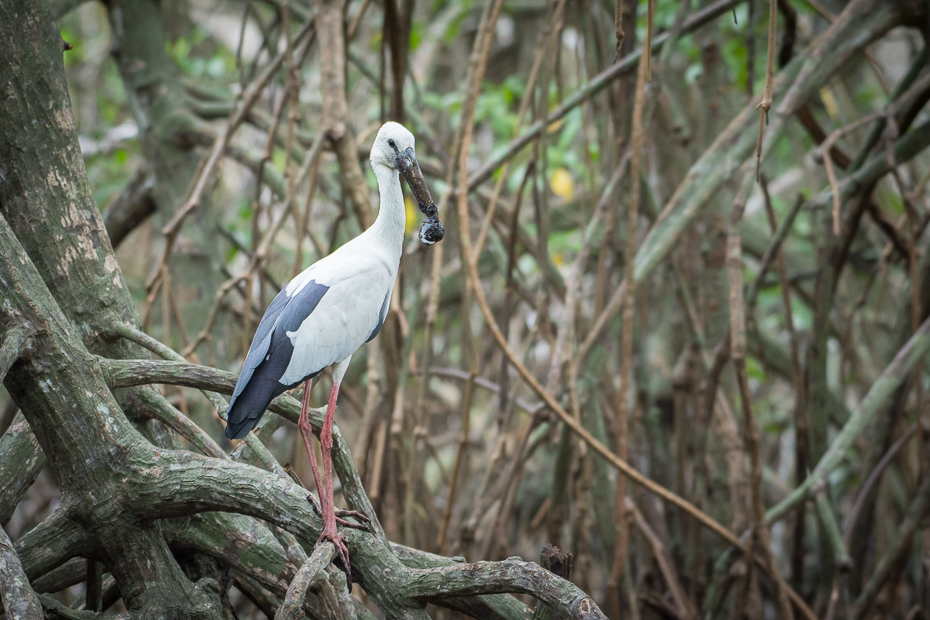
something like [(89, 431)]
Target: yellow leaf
[(562, 184), (829, 102), (411, 210)]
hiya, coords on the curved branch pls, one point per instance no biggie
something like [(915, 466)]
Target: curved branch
[(490, 606), (126, 373), (199, 484), (130, 208), (19, 599), (182, 424), (511, 575), (257, 554), (251, 550), (21, 460), (14, 343), (52, 543), (130, 373), (155, 406), (243, 543), (292, 609)]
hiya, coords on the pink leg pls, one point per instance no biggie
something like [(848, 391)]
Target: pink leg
[(306, 432), (329, 505), (325, 489)]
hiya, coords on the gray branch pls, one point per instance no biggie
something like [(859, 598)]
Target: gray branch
[(12, 345), (511, 575), (19, 599), (292, 609), (21, 460)]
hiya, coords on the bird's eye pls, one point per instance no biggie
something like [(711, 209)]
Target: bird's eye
[(391, 144)]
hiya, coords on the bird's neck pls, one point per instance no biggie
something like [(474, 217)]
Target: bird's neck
[(392, 216)]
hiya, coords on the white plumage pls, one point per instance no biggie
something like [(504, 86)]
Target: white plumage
[(331, 309), (359, 292), (334, 306)]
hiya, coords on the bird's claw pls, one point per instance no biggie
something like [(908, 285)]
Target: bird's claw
[(342, 515), (353, 514), (341, 560), (355, 526)]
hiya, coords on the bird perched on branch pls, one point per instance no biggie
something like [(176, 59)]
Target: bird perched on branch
[(328, 311)]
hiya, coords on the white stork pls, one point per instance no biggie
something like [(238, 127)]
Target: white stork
[(331, 309)]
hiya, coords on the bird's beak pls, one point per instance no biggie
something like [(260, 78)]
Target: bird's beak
[(406, 162)]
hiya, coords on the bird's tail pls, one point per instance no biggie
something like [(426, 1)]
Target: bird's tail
[(242, 426), (247, 407)]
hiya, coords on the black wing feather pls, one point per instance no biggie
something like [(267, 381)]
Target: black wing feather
[(269, 357)]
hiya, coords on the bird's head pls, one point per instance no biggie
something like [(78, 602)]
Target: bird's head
[(394, 149)]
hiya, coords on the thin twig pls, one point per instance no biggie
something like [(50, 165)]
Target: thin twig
[(357, 20), (626, 351), (577, 428), (685, 606), (618, 26), (802, 443), (647, 44), (874, 476), (205, 174), (476, 69), (766, 104), (592, 87), (759, 534)]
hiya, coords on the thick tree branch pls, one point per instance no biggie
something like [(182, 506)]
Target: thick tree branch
[(130, 208), (85, 435), (19, 599), (126, 373), (309, 573), (202, 485), (53, 542), (68, 574), (12, 345), (21, 460), (46, 194), (155, 406), (512, 575)]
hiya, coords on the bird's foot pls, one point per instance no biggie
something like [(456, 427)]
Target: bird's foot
[(341, 561), (342, 515)]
